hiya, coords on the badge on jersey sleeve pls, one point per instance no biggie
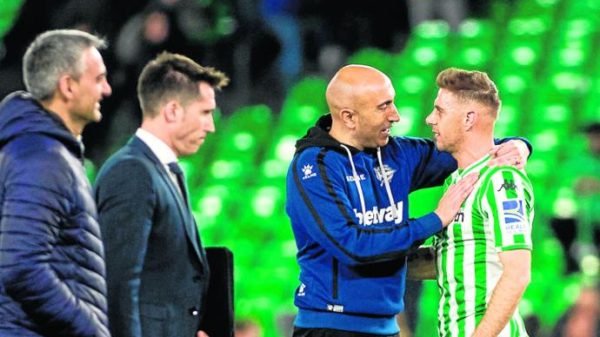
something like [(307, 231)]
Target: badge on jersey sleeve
[(514, 216)]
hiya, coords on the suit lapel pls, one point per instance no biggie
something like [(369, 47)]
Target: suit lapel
[(187, 217)]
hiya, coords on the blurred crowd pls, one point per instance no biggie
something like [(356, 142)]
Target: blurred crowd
[(264, 45)]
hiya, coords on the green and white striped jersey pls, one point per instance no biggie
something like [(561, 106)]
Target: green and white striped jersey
[(496, 217)]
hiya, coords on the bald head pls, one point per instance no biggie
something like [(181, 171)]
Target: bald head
[(361, 102), (351, 86)]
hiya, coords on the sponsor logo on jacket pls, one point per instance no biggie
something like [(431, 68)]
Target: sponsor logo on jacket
[(387, 171), (376, 215)]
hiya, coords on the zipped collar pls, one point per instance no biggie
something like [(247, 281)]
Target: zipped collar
[(21, 114), (318, 136)]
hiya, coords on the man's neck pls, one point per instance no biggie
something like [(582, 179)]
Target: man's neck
[(75, 128), (344, 137), (158, 130), (473, 149)]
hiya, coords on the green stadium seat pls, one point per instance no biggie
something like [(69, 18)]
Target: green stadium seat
[(411, 119), (230, 171), (299, 118), (477, 30), (273, 171), (520, 54), (511, 82), (511, 115), (303, 105), (282, 149), (431, 30), (9, 10), (248, 131), (373, 57), (590, 111), (535, 25), (472, 57)]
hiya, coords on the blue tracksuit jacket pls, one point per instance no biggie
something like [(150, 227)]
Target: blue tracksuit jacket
[(352, 228)]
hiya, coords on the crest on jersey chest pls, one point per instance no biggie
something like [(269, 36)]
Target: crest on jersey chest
[(388, 171)]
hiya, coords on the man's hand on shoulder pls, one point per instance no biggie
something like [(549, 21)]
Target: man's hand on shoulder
[(512, 153)]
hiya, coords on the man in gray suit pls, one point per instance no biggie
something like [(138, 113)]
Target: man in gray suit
[(157, 272)]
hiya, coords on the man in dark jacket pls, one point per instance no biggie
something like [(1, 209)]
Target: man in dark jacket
[(52, 274), (157, 271)]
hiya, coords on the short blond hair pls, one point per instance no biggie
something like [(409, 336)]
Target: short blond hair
[(470, 85)]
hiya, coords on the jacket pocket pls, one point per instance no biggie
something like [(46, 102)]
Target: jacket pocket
[(154, 319)]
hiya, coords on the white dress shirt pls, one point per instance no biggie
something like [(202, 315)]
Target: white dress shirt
[(161, 150)]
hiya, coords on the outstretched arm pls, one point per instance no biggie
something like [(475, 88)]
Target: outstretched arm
[(421, 263)]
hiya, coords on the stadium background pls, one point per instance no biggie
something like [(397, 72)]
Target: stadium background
[(543, 55)]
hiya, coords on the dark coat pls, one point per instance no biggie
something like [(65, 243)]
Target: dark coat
[(52, 274), (157, 272)]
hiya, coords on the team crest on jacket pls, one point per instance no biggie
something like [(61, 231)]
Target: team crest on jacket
[(388, 171), (308, 172)]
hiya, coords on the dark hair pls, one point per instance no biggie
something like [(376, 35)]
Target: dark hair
[(470, 85), (171, 76)]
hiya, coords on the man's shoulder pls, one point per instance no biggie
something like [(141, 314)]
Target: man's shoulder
[(37, 161), (127, 160), (314, 154), (37, 150), (505, 182), (503, 172), (33, 143)]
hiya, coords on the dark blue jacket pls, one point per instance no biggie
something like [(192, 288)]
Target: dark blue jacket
[(157, 272), (52, 270), (352, 228)]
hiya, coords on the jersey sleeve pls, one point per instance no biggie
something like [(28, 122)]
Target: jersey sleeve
[(507, 202)]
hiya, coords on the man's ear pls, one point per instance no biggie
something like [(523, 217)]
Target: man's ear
[(470, 120), (65, 89), (171, 111), (348, 118)]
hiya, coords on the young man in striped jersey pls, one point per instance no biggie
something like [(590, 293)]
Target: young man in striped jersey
[(483, 258)]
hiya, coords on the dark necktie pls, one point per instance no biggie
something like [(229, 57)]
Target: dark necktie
[(178, 172)]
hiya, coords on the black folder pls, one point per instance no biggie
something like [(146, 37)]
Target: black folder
[(218, 317)]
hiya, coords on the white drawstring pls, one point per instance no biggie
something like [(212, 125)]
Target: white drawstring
[(356, 181), (388, 189)]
